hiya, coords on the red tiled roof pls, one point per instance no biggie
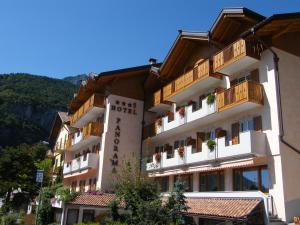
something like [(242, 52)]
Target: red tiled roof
[(100, 200), (215, 207), (222, 207)]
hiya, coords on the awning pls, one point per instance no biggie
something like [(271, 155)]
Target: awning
[(214, 166)]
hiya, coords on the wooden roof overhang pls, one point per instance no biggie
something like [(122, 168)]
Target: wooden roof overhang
[(180, 52), (101, 84), (280, 30), (231, 22)]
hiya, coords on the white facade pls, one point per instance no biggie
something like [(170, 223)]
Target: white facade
[(262, 147)]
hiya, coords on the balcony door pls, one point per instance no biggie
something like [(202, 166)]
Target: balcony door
[(235, 130)]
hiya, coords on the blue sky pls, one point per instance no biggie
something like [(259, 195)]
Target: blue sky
[(59, 38)]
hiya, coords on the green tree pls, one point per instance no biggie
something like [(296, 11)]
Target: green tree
[(140, 196), (17, 174), (177, 203)]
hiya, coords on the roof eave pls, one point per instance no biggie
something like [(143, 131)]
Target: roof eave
[(204, 36)]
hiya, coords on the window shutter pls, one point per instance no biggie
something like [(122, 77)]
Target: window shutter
[(255, 75), (200, 140), (257, 121), (235, 130)]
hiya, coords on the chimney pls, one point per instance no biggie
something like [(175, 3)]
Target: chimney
[(152, 61)]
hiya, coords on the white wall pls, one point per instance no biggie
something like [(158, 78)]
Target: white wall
[(289, 66), (129, 140)]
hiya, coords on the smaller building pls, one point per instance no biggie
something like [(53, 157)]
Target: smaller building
[(58, 142)]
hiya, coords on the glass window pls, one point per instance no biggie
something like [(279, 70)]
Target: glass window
[(213, 181), (248, 179), (88, 216), (188, 181), (163, 183), (265, 180)]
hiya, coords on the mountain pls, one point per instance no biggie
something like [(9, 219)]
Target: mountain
[(76, 80), (28, 104)]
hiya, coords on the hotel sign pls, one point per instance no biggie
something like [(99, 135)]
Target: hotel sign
[(124, 107), (117, 134)]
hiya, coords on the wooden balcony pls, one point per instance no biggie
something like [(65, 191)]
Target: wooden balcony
[(156, 103), (88, 111), (93, 129), (237, 56), (88, 134), (243, 96), (191, 82)]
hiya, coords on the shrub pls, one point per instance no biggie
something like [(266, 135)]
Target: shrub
[(12, 219), (65, 194)]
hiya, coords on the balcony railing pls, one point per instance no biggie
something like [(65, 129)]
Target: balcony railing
[(235, 52), (95, 100), (156, 103), (92, 129), (248, 91), (202, 71), (252, 143), (190, 118), (88, 161)]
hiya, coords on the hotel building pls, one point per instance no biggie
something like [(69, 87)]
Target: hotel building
[(220, 113)]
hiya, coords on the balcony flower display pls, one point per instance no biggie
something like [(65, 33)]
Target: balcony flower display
[(159, 121), (211, 144), (181, 112), (157, 157), (210, 99), (181, 151)]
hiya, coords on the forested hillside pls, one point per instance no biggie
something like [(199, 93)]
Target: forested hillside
[(27, 106)]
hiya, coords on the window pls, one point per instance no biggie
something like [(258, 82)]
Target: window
[(94, 184), (74, 186), (90, 184), (82, 186), (246, 125), (187, 180), (163, 183), (248, 179), (213, 181), (88, 216)]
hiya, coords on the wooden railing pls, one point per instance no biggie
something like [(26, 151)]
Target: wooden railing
[(235, 51), (92, 129), (248, 91), (95, 100), (184, 81)]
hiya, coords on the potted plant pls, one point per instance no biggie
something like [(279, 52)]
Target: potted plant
[(159, 121), (181, 112), (181, 151), (210, 99), (211, 144), (157, 157)]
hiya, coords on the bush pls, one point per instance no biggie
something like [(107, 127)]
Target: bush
[(88, 224), (12, 219), (65, 194)]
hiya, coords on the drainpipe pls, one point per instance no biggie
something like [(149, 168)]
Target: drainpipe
[(278, 92)]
